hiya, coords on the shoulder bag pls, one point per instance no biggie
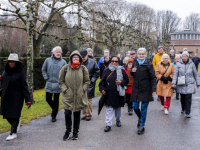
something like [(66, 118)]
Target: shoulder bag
[(181, 79)]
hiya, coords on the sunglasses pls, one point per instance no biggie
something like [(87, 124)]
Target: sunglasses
[(114, 61)]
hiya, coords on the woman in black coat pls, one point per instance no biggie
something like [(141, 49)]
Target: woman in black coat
[(14, 91), (104, 64), (112, 84), (144, 87)]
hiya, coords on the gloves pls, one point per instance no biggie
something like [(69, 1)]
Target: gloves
[(169, 78), (164, 79), (28, 104)]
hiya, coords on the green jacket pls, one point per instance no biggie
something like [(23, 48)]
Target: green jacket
[(74, 85)]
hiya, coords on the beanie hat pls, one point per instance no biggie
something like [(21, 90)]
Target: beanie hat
[(130, 60), (185, 53), (89, 49)]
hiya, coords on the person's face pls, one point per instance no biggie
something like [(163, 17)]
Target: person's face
[(106, 59), (57, 53), (128, 55), (114, 61), (172, 53), (160, 50), (119, 55), (141, 55), (125, 62), (166, 59), (185, 58), (75, 59), (177, 59), (90, 53), (106, 53), (85, 58), (133, 56), (130, 65), (12, 64), (195, 55)]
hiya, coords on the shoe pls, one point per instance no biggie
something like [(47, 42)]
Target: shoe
[(130, 112), (18, 127), (67, 136), (118, 124), (107, 129), (187, 116), (83, 118), (162, 107), (166, 112), (88, 118), (75, 135), (11, 137), (183, 111), (53, 119), (177, 98), (138, 123), (141, 130)]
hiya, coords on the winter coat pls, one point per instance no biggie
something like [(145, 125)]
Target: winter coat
[(74, 84), (151, 59), (100, 61), (15, 90), (103, 66), (110, 87), (94, 73), (144, 82), (192, 76), (163, 89), (50, 72), (172, 59), (196, 60), (157, 59), (130, 84)]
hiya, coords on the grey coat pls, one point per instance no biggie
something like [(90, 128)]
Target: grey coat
[(50, 72), (191, 77)]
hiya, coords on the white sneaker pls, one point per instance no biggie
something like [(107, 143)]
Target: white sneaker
[(18, 127), (166, 112), (11, 137), (162, 107)]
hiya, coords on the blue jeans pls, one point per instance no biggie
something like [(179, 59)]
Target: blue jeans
[(142, 114)]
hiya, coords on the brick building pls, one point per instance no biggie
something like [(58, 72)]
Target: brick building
[(186, 38)]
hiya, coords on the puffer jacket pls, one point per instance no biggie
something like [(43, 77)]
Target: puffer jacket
[(157, 58), (50, 72), (192, 76), (74, 84)]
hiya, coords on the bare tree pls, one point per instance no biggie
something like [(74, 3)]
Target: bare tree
[(192, 22)]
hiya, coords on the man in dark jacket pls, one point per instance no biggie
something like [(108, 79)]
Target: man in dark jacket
[(94, 73), (196, 60), (172, 56)]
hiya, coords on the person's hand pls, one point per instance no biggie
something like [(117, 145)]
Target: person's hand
[(173, 85), (197, 87), (134, 69), (118, 82), (28, 104), (153, 94), (103, 92)]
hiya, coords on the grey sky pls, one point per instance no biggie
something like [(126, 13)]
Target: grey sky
[(182, 7)]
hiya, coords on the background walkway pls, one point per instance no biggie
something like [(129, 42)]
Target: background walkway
[(172, 131)]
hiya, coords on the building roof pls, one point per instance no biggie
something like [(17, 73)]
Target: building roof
[(186, 32)]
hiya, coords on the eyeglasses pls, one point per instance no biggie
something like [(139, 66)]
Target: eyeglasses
[(75, 57), (141, 54), (114, 61)]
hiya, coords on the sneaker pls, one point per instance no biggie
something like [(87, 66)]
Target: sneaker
[(183, 111), (11, 137), (162, 107), (118, 124), (75, 135), (187, 116), (138, 123), (107, 129), (130, 112), (166, 112), (141, 130), (67, 136), (18, 127)]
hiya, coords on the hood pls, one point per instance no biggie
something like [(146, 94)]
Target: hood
[(75, 52), (190, 61)]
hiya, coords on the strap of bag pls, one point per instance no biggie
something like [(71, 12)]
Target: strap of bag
[(187, 70), (109, 75), (166, 70)]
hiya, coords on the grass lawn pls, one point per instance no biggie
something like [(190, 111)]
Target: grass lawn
[(199, 68), (37, 110)]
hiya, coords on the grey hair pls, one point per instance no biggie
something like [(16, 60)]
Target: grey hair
[(107, 50), (55, 48), (163, 56), (126, 58), (171, 50), (142, 49), (160, 47), (177, 55)]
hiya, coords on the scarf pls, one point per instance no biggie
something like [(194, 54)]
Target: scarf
[(165, 64), (75, 65), (106, 63), (118, 69), (141, 62)]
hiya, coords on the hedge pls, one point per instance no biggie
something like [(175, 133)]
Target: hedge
[(38, 80)]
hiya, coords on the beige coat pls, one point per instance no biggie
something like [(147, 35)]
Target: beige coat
[(163, 89), (74, 86)]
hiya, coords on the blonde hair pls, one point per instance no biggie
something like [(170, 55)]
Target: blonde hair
[(164, 56)]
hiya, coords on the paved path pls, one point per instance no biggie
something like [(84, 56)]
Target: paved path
[(173, 132)]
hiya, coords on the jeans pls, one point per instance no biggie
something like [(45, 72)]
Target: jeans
[(142, 114), (54, 104), (68, 120), (186, 102), (14, 123)]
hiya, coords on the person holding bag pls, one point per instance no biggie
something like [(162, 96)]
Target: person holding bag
[(184, 79), (164, 72)]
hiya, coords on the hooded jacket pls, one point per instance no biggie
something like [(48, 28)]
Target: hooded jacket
[(74, 83)]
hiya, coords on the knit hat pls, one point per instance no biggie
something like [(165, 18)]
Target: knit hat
[(185, 49), (130, 60), (83, 53), (185, 53), (89, 49)]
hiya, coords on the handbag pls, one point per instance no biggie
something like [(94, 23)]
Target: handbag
[(181, 79)]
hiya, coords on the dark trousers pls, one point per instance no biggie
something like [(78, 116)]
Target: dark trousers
[(14, 123), (54, 104), (68, 120), (197, 66), (128, 101), (186, 102)]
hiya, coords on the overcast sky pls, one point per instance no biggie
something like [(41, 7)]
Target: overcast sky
[(182, 7)]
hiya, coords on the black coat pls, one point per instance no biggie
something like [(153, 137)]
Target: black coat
[(110, 87), (94, 72), (15, 90), (144, 82)]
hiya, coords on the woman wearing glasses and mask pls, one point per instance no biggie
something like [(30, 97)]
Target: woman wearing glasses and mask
[(112, 84)]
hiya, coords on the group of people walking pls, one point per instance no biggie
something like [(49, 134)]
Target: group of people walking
[(134, 80)]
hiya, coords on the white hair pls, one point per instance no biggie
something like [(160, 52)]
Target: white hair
[(142, 49), (164, 56), (107, 50), (125, 59), (55, 48), (177, 55), (171, 50)]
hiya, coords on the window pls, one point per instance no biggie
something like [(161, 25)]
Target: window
[(180, 36), (184, 36), (192, 36)]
